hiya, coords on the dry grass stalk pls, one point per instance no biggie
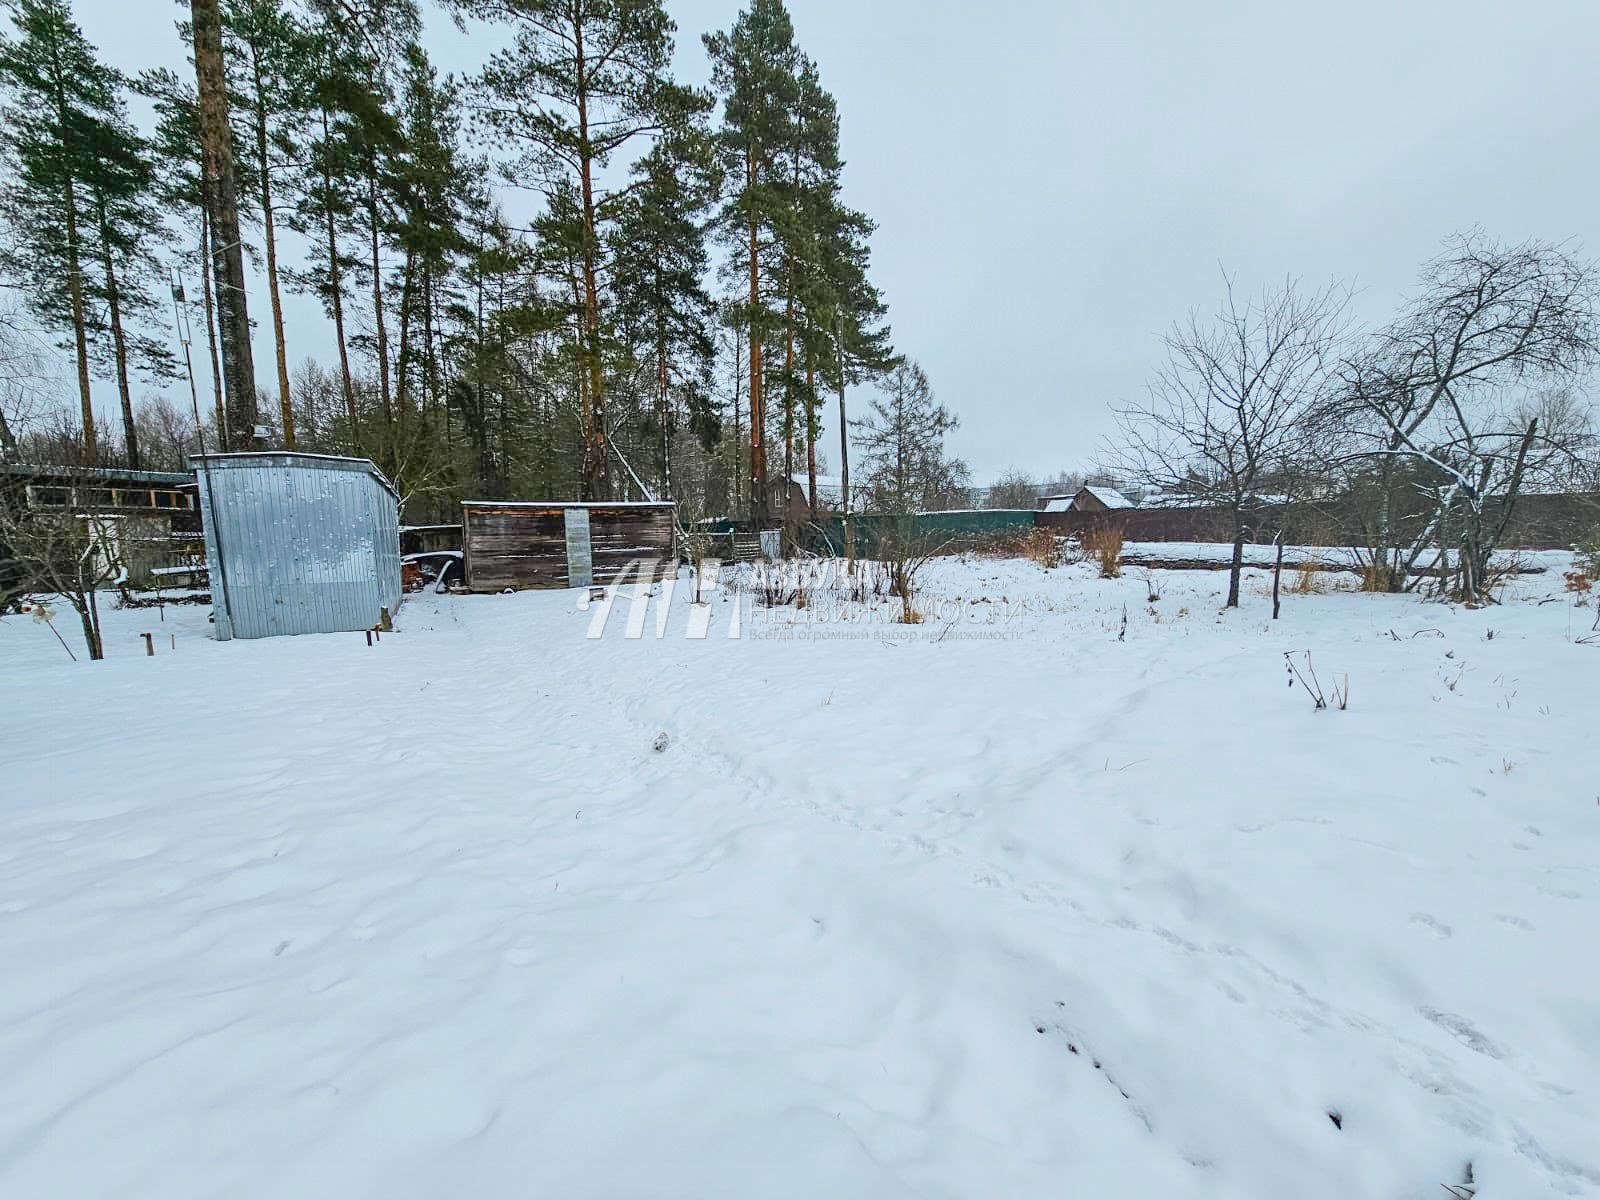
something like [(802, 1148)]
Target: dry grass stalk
[(1103, 543)]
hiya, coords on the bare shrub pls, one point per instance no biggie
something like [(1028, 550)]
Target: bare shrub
[(1375, 577), (63, 552), (1042, 546), (1103, 543), (861, 580), (1308, 578), (904, 551), (1498, 572)]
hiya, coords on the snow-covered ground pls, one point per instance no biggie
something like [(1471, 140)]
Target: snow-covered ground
[(1014, 903)]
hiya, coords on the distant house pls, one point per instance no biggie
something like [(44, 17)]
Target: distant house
[(1091, 498), (148, 521), (791, 497)]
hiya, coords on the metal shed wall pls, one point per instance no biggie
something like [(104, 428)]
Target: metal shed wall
[(298, 543)]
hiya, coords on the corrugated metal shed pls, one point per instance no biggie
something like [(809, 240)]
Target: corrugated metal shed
[(298, 543)]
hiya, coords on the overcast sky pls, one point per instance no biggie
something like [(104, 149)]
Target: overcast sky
[(1054, 183)]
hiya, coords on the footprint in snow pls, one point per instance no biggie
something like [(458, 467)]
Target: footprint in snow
[(1463, 1031), (1433, 924), (1561, 893)]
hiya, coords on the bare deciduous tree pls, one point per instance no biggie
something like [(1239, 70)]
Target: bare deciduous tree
[(1014, 489), (1230, 414), (26, 383), (1465, 386), (56, 547)]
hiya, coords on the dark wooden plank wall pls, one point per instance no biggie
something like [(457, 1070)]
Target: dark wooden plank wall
[(526, 547), (620, 536), (1542, 521)]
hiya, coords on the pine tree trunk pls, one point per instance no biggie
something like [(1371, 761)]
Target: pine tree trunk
[(788, 386), (844, 460), (228, 251), (119, 342), (594, 450), (581, 383), (430, 390), (336, 294), (269, 234), (663, 408), (80, 337), (480, 420), (758, 413), (402, 359), (738, 428), (384, 393), (206, 265), (811, 435)]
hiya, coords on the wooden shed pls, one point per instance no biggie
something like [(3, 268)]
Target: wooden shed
[(543, 544)]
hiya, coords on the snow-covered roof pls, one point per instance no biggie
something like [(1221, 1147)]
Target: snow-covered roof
[(1058, 504), (1109, 496), (566, 504), (86, 473)]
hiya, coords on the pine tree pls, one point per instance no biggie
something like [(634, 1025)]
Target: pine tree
[(364, 44), (582, 81), (903, 440), (269, 57), (343, 111), (754, 70), (84, 224), (480, 389), (852, 311), (222, 200), (809, 186), (180, 190), (128, 229), (659, 247), (434, 187), (61, 101)]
